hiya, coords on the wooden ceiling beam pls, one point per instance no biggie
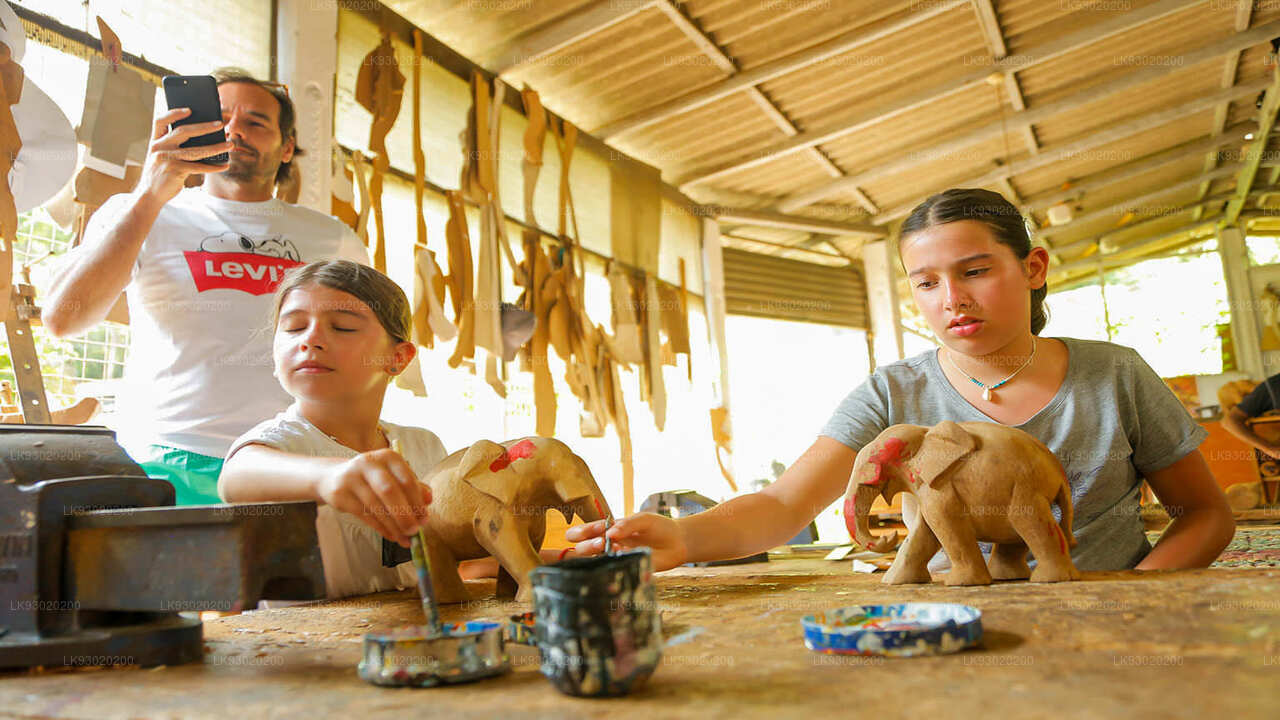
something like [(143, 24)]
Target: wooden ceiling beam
[(1130, 81), (1081, 186), (1136, 247), (783, 246), (791, 222), (884, 111), (990, 24), (1105, 239), (546, 40), (1138, 201), (1244, 16), (839, 45), (706, 45), (1090, 141), (1253, 158)]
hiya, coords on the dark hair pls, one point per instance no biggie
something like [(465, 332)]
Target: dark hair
[(991, 209), (383, 296), (288, 121)]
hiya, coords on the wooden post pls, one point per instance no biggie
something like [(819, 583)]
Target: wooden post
[(307, 39), (1244, 323)]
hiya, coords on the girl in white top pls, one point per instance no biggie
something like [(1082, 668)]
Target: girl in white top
[(341, 334)]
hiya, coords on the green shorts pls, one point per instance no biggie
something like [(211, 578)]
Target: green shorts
[(194, 476)]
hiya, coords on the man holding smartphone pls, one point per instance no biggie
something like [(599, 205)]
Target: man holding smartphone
[(198, 266)]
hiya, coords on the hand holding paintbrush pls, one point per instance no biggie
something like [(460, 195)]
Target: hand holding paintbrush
[(663, 535), (380, 488), (421, 563)]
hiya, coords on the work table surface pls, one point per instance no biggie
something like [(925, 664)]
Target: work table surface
[(1202, 643)]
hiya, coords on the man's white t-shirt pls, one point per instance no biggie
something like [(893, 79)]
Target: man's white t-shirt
[(199, 370), (350, 550)]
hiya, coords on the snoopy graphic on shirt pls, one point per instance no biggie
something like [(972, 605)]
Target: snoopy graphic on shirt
[(236, 261)]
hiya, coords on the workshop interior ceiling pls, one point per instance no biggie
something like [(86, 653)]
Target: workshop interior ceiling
[(1138, 117)]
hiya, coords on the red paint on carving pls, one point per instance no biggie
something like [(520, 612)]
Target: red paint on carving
[(1062, 539), (889, 452), (599, 509), (851, 517), (564, 552), (519, 451)]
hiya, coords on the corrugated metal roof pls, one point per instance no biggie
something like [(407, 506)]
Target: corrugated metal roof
[(895, 106)]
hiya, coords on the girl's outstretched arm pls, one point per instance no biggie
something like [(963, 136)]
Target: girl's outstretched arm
[(379, 487), (741, 526), (1202, 523)]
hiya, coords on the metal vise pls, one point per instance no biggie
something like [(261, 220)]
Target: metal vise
[(96, 562)]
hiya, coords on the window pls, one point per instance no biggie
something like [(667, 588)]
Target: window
[(785, 380), (1263, 250), (197, 36), (1150, 310), (65, 364)]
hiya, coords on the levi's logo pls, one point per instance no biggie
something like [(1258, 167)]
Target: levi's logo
[(250, 272)]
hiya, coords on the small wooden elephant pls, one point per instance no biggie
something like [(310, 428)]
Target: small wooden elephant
[(492, 499), (974, 481)]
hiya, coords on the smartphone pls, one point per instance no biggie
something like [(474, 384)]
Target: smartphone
[(200, 93)]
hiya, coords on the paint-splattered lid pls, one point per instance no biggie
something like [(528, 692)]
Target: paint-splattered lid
[(900, 630)]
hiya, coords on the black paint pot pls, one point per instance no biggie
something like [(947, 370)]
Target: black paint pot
[(597, 623)]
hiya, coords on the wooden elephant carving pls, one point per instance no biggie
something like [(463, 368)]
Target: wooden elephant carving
[(974, 481), (492, 499)]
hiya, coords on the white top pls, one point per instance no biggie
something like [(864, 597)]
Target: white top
[(350, 550), (199, 365)]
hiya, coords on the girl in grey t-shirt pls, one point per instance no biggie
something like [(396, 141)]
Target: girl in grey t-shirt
[(980, 285)]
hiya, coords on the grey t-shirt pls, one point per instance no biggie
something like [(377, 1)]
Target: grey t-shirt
[(1112, 421)]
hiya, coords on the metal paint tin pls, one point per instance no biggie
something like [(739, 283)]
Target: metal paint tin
[(410, 657), (520, 629), (901, 630), (597, 623)]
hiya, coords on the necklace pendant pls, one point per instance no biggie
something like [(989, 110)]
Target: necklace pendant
[(986, 394)]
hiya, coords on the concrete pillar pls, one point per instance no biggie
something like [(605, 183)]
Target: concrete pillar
[(1244, 317), (882, 302), (307, 43)]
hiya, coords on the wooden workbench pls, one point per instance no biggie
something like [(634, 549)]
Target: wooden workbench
[(1200, 643)]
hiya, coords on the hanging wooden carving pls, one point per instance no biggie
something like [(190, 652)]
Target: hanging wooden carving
[(535, 134), (479, 184), (540, 290), (657, 395), (626, 326), (342, 198), (360, 168), (380, 90), (11, 78), (566, 141), (419, 159), (429, 320), (539, 299), (459, 280), (116, 129)]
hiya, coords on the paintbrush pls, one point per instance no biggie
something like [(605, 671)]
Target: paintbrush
[(417, 546), (608, 523), (421, 563)]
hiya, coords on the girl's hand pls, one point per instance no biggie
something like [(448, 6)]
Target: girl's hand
[(661, 534), (381, 489)]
